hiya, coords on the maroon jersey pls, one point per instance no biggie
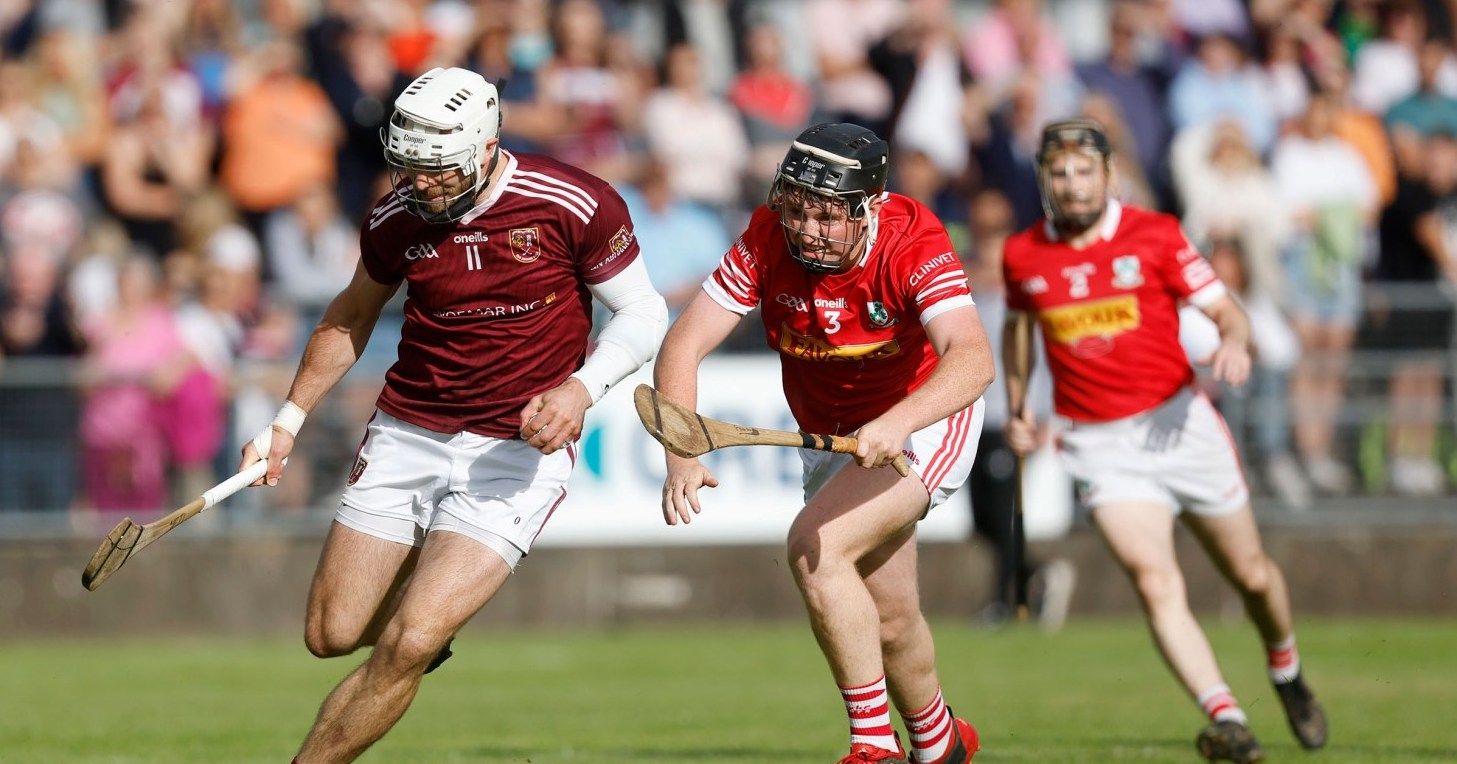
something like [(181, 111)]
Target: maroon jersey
[(497, 308), (1110, 312), (852, 344)]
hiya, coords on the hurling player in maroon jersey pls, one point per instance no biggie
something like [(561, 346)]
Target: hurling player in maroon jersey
[(470, 449), (865, 301), (1145, 448)]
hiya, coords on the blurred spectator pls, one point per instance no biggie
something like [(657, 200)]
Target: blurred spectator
[(496, 54), (916, 174), (921, 61), (596, 101), (1386, 68), (313, 250), (279, 135), (1267, 407), (841, 32), (1415, 316), (1428, 110), (1202, 18), (135, 361), (1329, 191), (34, 317), (211, 44), (1137, 89), (152, 164), (1011, 40), (1359, 128), (1218, 83), (70, 95), (775, 105), (1227, 194), (1004, 143), (1287, 89), (1130, 179), (697, 135), (681, 241)]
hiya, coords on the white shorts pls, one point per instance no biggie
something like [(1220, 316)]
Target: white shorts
[(408, 481), (940, 455), (1179, 454)]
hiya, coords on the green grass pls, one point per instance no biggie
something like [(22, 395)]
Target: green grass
[(1096, 692)]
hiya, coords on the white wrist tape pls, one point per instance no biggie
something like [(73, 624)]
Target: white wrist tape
[(290, 419)]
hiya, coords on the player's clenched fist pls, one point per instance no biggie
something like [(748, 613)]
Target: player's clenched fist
[(680, 489), (1021, 436), (879, 442), (554, 418)]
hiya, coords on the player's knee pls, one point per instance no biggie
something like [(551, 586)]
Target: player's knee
[(1159, 586), (1252, 574), (409, 648), (898, 629), (325, 640)]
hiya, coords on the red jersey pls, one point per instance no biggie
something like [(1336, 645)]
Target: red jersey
[(497, 308), (852, 344), (1109, 313)]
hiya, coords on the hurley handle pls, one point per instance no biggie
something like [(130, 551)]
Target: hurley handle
[(847, 445)]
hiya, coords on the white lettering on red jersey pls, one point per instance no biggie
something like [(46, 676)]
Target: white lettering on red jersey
[(1109, 312), (497, 308), (852, 344)]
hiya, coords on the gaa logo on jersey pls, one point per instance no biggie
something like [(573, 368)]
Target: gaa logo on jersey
[(421, 252), (525, 244), (879, 318), (1126, 272)]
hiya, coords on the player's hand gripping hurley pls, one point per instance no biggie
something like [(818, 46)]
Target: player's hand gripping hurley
[(688, 434), (128, 538)]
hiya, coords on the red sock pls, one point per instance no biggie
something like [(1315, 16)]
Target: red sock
[(930, 730), (1284, 661), (869, 710), (1219, 703)]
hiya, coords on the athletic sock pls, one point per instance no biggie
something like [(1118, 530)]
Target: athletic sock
[(1284, 661), (930, 729), (869, 710), (1219, 703)]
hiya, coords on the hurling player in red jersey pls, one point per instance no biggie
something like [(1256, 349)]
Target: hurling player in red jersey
[(469, 452), (866, 303), (1105, 282)]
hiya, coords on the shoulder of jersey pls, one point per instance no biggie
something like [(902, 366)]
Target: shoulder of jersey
[(1138, 217), (388, 216), (550, 181)]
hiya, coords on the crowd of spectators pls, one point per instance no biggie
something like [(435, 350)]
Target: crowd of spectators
[(180, 185)]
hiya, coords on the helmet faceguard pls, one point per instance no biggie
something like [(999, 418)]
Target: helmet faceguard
[(823, 192), (437, 140), (1078, 136)]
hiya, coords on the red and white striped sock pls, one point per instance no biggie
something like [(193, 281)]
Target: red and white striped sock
[(1219, 703), (930, 730), (1284, 661), (869, 710)]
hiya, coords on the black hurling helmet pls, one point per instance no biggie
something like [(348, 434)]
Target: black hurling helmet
[(1080, 135), (843, 163)]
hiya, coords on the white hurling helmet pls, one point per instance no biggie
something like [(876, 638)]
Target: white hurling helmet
[(442, 121)]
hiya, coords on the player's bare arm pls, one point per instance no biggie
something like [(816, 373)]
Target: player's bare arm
[(1017, 362), (962, 374), (629, 339), (703, 326), (1231, 362), (334, 347)]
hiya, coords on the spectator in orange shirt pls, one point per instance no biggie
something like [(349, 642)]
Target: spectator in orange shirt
[(279, 135)]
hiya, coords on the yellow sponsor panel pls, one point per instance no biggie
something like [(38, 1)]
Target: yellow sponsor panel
[(800, 346), (1068, 324)]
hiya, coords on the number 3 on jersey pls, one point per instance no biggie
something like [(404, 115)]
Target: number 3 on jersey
[(832, 318)]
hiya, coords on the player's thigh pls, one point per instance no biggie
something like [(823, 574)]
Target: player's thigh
[(454, 578), (1139, 534), (1201, 468), (854, 512), (1232, 541), (357, 575)]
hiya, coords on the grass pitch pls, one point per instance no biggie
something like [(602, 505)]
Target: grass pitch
[(1096, 692)]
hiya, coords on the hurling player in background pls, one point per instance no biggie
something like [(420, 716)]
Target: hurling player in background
[(867, 305), (1143, 445), (469, 452)]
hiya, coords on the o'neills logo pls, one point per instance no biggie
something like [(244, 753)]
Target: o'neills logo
[(793, 343), (476, 237), (1070, 324)]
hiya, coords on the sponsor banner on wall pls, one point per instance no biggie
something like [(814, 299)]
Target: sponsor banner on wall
[(615, 494)]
